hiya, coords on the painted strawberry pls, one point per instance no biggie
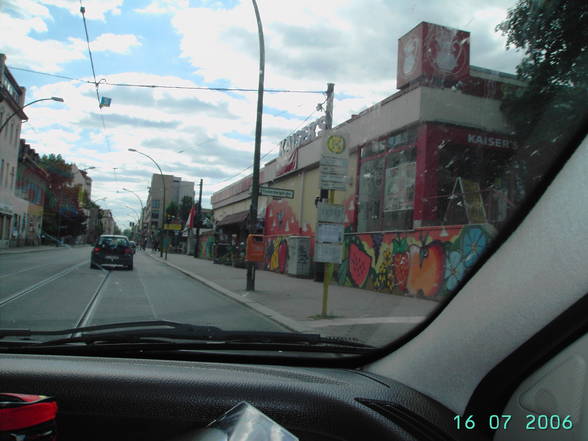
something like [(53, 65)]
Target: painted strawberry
[(400, 262)]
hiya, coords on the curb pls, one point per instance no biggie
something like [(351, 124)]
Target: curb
[(275, 316)]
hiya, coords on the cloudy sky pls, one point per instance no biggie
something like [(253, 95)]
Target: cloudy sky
[(209, 43)]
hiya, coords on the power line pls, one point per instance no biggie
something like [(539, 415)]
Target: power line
[(267, 153), (163, 86)]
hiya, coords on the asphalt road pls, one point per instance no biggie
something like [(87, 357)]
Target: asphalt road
[(56, 289)]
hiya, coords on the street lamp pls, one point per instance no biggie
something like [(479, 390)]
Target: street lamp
[(256, 154), (87, 168), (53, 98), (163, 198)]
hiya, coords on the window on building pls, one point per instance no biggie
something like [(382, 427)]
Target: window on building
[(155, 203), (155, 215), (470, 176), (386, 184)]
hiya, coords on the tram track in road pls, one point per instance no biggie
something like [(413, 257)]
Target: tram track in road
[(40, 284), (88, 311)]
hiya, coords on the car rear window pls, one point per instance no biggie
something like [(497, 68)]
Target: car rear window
[(113, 242)]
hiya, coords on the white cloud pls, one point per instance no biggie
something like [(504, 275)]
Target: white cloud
[(117, 43), (163, 7)]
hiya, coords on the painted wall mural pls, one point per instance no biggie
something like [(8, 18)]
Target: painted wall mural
[(281, 222), (427, 263)]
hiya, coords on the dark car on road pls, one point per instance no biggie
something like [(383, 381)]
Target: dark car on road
[(112, 250)]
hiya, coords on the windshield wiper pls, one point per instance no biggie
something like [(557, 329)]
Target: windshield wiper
[(162, 331)]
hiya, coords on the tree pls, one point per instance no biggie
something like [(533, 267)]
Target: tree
[(62, 214), (185, 207), (172, 210), (553, 35)]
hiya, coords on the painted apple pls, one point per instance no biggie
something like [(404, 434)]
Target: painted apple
[(425, 273)]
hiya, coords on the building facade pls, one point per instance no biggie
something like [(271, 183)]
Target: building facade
[(31, 183), (12, 99), (433, 172), (175, 190), (108, 223)]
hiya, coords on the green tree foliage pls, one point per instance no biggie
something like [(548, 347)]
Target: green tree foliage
[(172, 210), (553, 35), (62, 213), (185, 208)]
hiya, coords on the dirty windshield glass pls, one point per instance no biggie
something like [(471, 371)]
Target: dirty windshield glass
[(303, 169)]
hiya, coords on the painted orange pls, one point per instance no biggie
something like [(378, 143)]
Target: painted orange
[(425, 273)]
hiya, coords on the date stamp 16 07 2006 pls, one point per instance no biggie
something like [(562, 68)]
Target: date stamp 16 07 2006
[(501, 422)]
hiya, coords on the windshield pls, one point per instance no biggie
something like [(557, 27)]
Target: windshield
[(330, 168)]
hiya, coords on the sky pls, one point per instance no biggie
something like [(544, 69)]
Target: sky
[(205, 134)]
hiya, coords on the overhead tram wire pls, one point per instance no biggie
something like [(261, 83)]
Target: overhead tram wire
[(164, 86), (96, 83), (83, 12)]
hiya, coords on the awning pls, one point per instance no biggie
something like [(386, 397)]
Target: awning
[(235, 218)]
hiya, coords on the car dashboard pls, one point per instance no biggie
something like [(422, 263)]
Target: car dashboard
[(128, 399)]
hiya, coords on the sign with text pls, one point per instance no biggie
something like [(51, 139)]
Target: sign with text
[(334, 162), (328, 252), (332, 233), (302, 136), (172, 227), (331, 213), (276, 192)]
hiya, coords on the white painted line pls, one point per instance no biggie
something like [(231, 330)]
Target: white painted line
[(365, 321)]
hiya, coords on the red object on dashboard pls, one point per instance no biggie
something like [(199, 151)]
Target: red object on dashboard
[(22, 412)]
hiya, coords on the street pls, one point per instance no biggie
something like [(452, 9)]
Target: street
[(56, 289)]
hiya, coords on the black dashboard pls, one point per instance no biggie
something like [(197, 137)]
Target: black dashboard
[(128, 399)]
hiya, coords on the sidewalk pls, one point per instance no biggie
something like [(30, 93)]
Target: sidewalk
[(297, 303)]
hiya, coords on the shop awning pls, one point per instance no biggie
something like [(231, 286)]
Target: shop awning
[(235, 218)]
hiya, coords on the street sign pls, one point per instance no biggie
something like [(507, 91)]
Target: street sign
[(276, 192), (328, 252), (172, 227), (332, 233), (334, 163), (330, 213)]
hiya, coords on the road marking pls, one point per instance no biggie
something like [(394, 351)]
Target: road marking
[(365, 321), (41, 283), (24, 270)]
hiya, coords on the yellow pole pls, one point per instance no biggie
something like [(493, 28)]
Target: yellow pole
[(328, 270)]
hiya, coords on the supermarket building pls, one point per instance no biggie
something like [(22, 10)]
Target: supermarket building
[(426, 187)]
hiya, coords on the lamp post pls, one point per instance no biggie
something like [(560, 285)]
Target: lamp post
[(53, 98), (140, 224), (256, 154), (163, 198)]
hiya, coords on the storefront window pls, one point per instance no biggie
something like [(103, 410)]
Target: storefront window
[(475, 185), (386, 188)]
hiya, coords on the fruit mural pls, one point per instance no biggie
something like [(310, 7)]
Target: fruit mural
[(428, 262)]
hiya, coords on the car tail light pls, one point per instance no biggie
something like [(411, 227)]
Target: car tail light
[(128, 251), (97, 249)]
